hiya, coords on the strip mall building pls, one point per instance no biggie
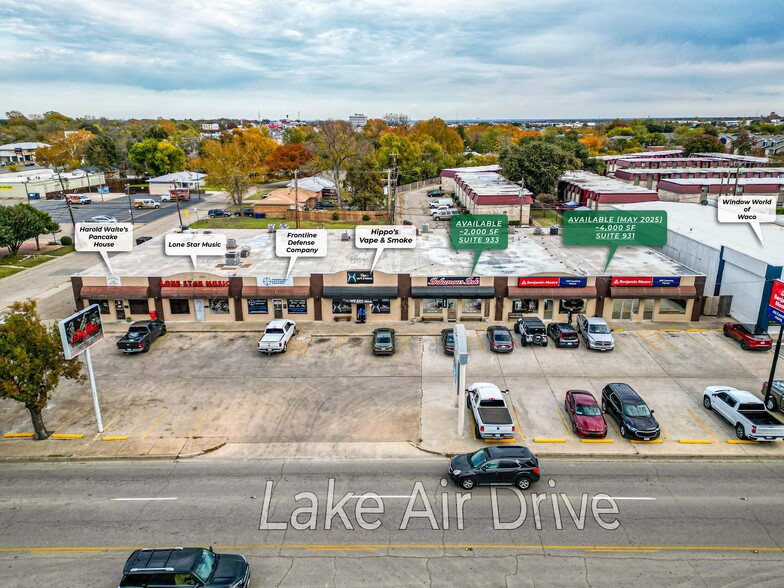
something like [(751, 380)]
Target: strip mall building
[(534, 276)]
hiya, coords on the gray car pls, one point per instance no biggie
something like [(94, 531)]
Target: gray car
[(384, 341)]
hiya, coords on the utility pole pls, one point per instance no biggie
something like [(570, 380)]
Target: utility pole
[(130, 206), (389, 196), (296, 198), (176, 197)]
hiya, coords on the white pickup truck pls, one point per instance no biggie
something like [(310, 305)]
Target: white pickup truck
[(277, 335), (745, 412), (595, 332), (491, 415)]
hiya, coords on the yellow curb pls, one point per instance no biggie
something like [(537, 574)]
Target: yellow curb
[(696, 330), (499, 440), (646, 442), (119, 438), (669, 330), (67, 436), (548, 440), (596, 440), (695, 441), (17, 435), (742, 442), (619, 330)]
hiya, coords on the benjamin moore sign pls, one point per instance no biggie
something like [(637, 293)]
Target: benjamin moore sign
[(645, 281), (552, 282)]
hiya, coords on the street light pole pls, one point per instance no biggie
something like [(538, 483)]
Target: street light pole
[(130, 206), (522, 187), (296, 198)]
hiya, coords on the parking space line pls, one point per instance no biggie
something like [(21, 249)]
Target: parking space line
[(109, 424), (479, 338), (67, 422), (704, 428), (473, 424), (155, 422), (665, 341), (517, 422), (563, 422), (340, 341), (405, 342), (612, 424), (201, 420), (666, 436), (305, 349)]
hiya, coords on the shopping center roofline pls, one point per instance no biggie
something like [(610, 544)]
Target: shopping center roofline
[(526, 255)]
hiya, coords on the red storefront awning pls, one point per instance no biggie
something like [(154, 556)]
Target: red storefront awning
[(114, 292)]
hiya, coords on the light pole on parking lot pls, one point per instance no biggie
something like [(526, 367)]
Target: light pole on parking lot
[(130, 206)]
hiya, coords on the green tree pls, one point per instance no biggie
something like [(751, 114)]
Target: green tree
[(103, 152), (45, 225), (156, 157), (364, 179), (19, 223), (703, 143), (32, 362), (539, 163), (336, 144), (298, 135), (156, 132), (446, 137), (743, 144)]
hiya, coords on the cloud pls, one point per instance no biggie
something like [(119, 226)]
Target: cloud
[(561, 58)]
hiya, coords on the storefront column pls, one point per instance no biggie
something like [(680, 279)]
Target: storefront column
[(404, 292), (235, 292), (76, 286), (500, 285), (317, 293), (602, 293), (696, 311), (155, 294)]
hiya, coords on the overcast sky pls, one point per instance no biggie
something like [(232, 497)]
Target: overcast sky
[(332, 58)]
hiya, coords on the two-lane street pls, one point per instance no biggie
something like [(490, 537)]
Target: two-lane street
[(394, 523)]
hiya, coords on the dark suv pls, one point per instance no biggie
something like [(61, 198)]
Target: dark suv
[(532, 331), (509, 464), (634, 417), (188, 566), (563, 335), (216, 212)]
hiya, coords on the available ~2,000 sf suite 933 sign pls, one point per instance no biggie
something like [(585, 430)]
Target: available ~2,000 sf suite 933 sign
[(776, 304)]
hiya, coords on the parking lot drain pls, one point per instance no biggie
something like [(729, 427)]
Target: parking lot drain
[(18, 435), (647, 442), (742, 442), (118, 438), (67, 436), (596, 440), (695, 441), (548, 440)]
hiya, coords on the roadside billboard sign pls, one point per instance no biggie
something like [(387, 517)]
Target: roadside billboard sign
[(776, 303), (81, 330)]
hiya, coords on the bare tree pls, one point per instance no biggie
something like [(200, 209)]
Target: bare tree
[(396, 119), (335, 144)]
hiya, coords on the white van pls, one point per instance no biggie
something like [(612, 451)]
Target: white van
[(145, 203), (438, 202)]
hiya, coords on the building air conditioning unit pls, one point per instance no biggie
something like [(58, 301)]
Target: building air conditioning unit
[(233, 258), (245, 251), (345, 237), (231, 243), (425, 227)]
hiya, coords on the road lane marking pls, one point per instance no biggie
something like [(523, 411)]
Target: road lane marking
[(155, 422), (201, 420), (704, 428), (622, 550), (143, 499), (560, 416)]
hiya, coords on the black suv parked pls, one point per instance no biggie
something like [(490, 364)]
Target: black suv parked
[(509, 464), (634, 417), (216, 212), (532, 331), (189, 566), (563, 334)]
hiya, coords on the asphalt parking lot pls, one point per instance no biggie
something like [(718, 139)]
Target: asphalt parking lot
[(215, 387)]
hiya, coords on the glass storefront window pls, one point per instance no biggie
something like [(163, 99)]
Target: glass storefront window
[(103, 305), (139, 306), (432, 305), (672, 306), (472, 305), (381, 306), (341, 307), (297, 305), (525, 305), (179, 307), (219, 305), (258, 306), (548, 309), (573, 304)]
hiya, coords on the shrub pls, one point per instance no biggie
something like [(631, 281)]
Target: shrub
[(335, 216), (66, 240), (365, 217)]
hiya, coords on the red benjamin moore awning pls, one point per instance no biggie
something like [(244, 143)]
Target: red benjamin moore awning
[(190, 293), (114, 292)]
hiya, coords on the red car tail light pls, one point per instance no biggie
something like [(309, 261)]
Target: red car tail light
[(482, 429), (536, 471), (753, 429)]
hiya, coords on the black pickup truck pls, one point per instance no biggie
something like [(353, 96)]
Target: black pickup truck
[(140, 335)]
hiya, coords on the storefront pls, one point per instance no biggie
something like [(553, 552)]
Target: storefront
[(197, 297), (453, 298), (361, 295), (653, 298), (119, 299), (552, 298), (265, 298)]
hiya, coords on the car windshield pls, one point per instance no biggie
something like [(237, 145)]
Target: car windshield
[(600, 329), (502, 337), (450, 338), (203, 569), (587, 410), (636, 410), (478, 458), (384, 339)]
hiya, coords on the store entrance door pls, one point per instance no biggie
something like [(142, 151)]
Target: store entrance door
[(198, 309), (119, 310), (622, 309), (451, 310), (647, 309), (277, 309)]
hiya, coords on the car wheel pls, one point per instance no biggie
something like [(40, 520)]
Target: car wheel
[(517, 328), (523, 483), (739, 431), (706, 402), (146, 348), (623, 431), (744, 346), (726, 332), (467, 483), (163, 331), (770, 404), (285, 346)]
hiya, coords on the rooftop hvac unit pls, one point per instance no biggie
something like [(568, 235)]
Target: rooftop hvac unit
[(245, 251), (231, 243), (271, 228), (538, 230), (233, 258), (345, 237), (425, 227), (208, 232)]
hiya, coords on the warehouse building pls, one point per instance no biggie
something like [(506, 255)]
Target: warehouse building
[(41, 184), (490, 193), (600, 192), (650, 177)]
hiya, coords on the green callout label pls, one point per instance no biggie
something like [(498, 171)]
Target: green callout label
[(614, 228), (487, 231)]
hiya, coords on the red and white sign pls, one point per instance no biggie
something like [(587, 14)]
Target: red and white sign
[(632, 281), (538, 282)]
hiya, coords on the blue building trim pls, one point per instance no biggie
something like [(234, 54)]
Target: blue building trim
[(773, 272)]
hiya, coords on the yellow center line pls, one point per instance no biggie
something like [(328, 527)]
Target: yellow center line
[(158, 420), (563, 421), (67, 422), (622, 550), (704, 428), (201, 420)]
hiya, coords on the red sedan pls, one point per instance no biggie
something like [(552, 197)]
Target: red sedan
[(585, 414), (750, 336)]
